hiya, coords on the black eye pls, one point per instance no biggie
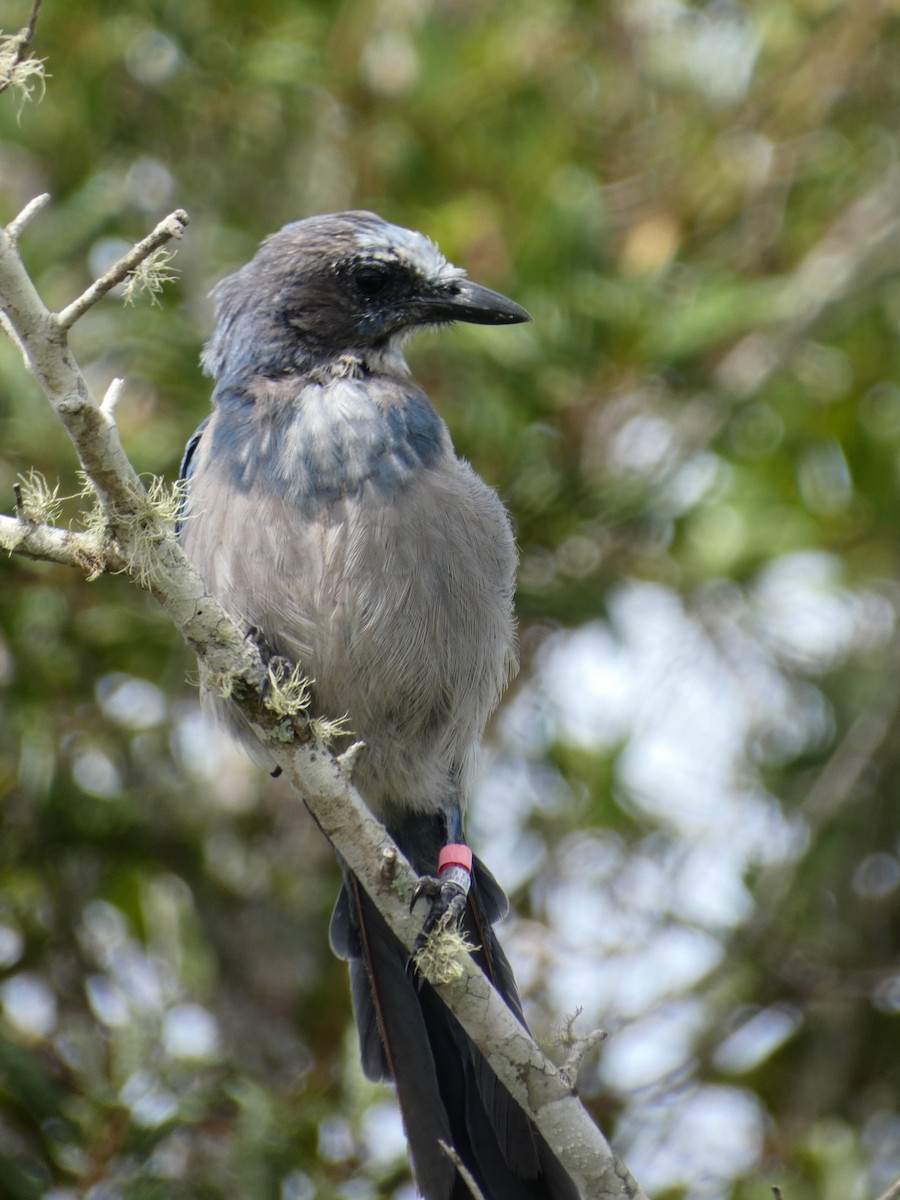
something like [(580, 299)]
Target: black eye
[(371, 279)]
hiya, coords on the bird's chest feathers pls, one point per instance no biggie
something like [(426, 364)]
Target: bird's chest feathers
[(320, 441)]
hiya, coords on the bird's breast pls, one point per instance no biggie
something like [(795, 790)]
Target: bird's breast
[(364, 550), (314, 442)]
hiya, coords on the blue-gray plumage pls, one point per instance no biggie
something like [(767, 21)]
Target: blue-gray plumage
[(327, 511)]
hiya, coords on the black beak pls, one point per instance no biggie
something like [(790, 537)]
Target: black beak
[(463, 300)]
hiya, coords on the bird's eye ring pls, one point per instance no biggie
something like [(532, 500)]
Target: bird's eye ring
[(371, 279)]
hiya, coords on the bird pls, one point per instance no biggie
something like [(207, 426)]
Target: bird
[(326, 509)]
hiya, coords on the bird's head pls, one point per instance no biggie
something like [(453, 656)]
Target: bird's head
[(348, 283)]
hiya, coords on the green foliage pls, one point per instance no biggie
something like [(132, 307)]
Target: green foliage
[(692, 790)]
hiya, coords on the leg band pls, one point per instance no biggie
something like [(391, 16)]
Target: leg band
[(456, 854)]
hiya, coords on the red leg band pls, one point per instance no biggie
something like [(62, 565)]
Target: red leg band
[(455, 855)]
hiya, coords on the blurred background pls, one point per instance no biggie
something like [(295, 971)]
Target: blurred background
[(690, 792)]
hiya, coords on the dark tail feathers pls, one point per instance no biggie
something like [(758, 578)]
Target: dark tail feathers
[(447, 1092)]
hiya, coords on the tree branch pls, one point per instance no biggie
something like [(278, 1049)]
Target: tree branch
[(28, 213), (46, 543), (133, 538), (15, 70), (172, 226)]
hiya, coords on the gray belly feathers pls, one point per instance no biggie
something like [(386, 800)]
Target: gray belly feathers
[(371, 556)]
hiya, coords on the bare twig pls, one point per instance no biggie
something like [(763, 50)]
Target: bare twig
[(46, 543), (172, 226), (466, 1175), (113, 396), (581, 1047), (42, 337), (32, 23), (28, 213), (16, 70)]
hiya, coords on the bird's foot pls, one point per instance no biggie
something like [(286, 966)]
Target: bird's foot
[(447, 901), (267, 651), (277, 666), (447, 891)]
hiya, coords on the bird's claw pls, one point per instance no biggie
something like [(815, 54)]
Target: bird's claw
[(267, 651), (448, 901), (278, 666), (426, 885)]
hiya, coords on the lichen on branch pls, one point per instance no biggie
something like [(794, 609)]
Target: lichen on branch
[(18, 72)]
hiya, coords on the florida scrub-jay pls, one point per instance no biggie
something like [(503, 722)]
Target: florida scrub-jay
[(327, 511)]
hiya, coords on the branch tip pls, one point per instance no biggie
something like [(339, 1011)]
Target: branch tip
[(170, 227), (28, 213), (347, 761), (389, 863), (581, 1048), (29, 29), (179, 221), (112, 397)]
